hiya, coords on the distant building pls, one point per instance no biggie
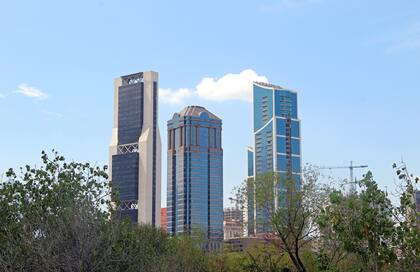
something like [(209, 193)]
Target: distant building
[(135, 149), (250, 205), (243, 243), (163, 224), (277, 143), (195, 173), (233, 223)]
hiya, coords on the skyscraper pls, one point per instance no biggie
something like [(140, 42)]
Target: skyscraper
[(195, 173), (276, 137), (135, 149)]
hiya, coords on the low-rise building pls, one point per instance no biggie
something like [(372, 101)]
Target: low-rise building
[(163, 224), (233, 223)]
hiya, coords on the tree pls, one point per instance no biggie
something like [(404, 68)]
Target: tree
[(407, 238), (35, 204), (265, 258), (290, 210), (362, 224), (58, 217)]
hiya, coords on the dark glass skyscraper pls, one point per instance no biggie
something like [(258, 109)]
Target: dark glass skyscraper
[(135, 149), (277, 140), (195, 173)]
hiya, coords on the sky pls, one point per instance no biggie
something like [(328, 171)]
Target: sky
[(355, 65)]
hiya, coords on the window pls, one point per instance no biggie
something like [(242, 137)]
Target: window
[(296, 164), (204, 137), (188, 135), (177, 142), (295, 129), (295, 146), (281, 144), (194, 135), (281, 126), (281, 163)]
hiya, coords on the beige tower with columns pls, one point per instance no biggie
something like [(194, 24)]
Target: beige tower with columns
[(137, 90)]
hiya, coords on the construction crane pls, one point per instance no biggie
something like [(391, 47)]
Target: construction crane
[(351, 167)]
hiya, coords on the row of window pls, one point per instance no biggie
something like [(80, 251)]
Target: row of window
[(285, 103), (194, 136), (283, 163), (281, 127), (282, 143), (125, 175), (130, 113)]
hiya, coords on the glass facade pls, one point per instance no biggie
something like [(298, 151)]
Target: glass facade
[(277, 139), (195, 174), (130, 113), (125, 175), (250, 162)]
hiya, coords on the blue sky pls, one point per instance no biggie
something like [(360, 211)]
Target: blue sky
[(355, 65)]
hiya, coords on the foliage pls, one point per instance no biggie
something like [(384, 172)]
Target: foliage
[(407, 238), (291, 210), (58, 218), (362, 224), (227, 262), (265, 258), (187, 254)]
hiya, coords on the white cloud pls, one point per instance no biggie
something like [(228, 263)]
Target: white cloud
[(2, 96), (169, 96), (30, 91), (229, 87)]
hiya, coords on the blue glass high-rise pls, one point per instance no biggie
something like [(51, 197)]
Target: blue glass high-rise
[(195, 173), (277, 139)]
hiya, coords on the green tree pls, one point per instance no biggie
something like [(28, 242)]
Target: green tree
[(291, 210), (35, 203), (265, 258), (407, 238), (58, 217), (362, 224)]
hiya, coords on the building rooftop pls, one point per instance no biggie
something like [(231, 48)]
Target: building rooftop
[(196, 111), (272, 86), (264, 84)]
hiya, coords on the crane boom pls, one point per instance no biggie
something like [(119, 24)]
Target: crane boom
[(351, 167), (342, 167)]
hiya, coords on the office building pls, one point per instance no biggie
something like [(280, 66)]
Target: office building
[(233, 223), (242, 244), (195, 173), (277, 141), (135, 149)]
